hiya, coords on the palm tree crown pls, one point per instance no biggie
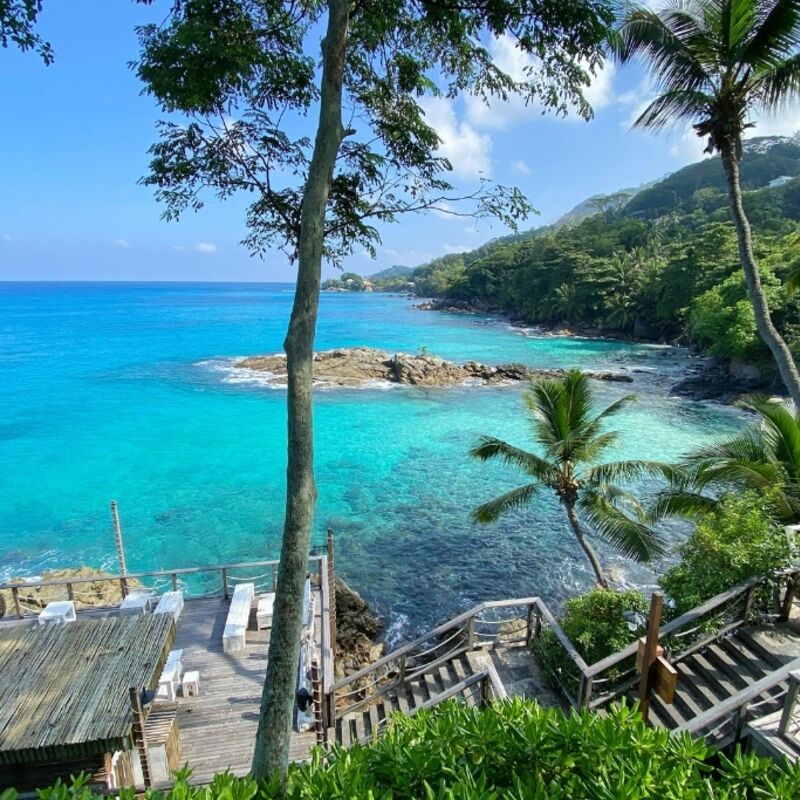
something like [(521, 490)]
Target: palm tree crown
[(572, 440), (765, 458), (714, 62)]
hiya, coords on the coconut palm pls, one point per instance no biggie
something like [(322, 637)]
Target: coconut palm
[(572, 440), (714, 63), (765, 458)]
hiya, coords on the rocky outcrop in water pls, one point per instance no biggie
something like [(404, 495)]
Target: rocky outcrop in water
[(723, 381), (356, 367), (357, 626)]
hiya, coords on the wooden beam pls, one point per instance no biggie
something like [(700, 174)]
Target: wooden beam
[(650, 654)]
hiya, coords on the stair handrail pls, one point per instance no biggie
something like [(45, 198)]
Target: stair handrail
[(538, 612), (745, 589), (738, 703)]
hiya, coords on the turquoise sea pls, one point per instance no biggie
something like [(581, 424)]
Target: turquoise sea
[(127, 391)]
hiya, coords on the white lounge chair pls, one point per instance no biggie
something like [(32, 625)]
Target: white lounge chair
[(233, 637), (170, 603)]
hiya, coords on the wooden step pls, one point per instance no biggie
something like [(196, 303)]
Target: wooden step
[(345, 737), (744, 659), (752, 644), (691, 680), (722, 660), (417, 693), (360, 734), (429, 685), (460, 668), (715, 676), (667, 713), (374, 721)]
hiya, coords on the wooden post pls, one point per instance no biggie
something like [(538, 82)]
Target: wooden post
[(272, 575), (139, 738), (225, 583), (123, 587), (650, 653), (750, 598), (70, 592), (174, 582), (486, 691), (471, 634), (401, 672), (123, 567), (788, 598), (331, 593), (330, 711), (316, 694), (15, 597), (585, 691)]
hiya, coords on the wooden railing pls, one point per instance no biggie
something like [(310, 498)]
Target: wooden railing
[(216, 580), (789, 725), (484, 626), (726, 720), (614, 676)]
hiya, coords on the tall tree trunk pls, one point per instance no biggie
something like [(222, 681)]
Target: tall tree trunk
[(277, 699), (766, 328), (587, 548)]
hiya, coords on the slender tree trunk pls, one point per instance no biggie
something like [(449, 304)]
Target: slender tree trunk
[(766, 328), (277, 699), (587, 548)]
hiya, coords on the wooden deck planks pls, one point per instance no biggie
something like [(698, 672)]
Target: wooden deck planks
[(218, 727)]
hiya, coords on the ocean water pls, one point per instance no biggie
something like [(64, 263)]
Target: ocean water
[(128, 391)]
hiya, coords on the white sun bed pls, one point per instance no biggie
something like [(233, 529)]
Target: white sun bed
[(233, 637)]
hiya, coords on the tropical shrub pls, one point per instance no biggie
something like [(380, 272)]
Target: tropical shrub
[(515, 750), (598, 623), (736, 540)]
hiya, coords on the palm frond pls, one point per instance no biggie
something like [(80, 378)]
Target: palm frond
[(633, 469), (777, 34), (680, 503), (673, 107), (494, 509), (779, 86), (628, 533), (488, 448)]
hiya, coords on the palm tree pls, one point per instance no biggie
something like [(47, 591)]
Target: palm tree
[(714, 63), (764, 458), (572, 439)]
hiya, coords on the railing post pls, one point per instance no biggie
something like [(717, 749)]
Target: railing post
[(585, 691), (331, 576), (534, 624), (15, 597), (788, 704), (471, 634), (788, 599), (272, 574), (330, 710), (401, 671), (123, 587), (225, 583), (174, 582), (750, 598), (70, 592), (741, 718), (486, 690)]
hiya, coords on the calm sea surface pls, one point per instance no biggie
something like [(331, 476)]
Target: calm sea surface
[(127, 391)]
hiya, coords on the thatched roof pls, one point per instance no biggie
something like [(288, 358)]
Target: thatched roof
[(64, 689)]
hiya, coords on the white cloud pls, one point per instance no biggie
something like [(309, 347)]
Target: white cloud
[(444, 210), (456, 248), (198, 247), (124, 243), (521, 167), (465, 148), (785, 123)]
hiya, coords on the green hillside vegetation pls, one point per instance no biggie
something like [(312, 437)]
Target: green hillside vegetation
[(664, 266)]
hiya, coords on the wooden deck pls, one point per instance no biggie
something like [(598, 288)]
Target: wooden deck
[(218, 728)]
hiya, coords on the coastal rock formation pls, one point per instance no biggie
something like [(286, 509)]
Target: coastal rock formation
[(355, 367), (97, 592), (357, 625)]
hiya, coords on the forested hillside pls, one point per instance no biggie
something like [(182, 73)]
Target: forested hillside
[(663, 266)]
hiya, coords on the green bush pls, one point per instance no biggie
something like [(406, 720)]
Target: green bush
[(595, 623), (736, 541), (515, 750)]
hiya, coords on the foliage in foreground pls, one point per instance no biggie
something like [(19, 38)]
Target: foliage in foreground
[(733, 542), (511, 750)]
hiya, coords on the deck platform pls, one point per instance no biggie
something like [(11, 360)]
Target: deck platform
[(218, 727)]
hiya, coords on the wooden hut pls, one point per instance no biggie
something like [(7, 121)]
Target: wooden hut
[(66, 700)]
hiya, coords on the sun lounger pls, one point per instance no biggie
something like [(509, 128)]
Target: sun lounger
[(58, 613), (170, 678), (233, 637), (170, 603), (135, 603)]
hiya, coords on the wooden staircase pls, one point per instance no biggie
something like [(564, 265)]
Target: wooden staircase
[(721, 670), (463, 676)]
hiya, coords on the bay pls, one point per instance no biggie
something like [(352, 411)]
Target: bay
[(127, 391)]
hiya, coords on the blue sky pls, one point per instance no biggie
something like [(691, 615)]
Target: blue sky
[(74, 137)]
